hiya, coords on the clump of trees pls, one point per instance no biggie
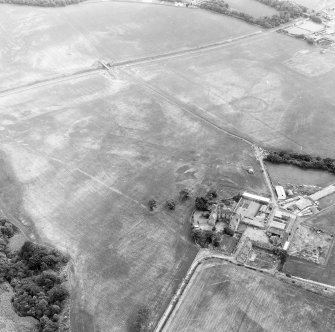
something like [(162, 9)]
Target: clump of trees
[(301, 160), (202, 237), (33, 272), (201, 203), (171, 204), (42, 3), (282, 254), (287, 11)]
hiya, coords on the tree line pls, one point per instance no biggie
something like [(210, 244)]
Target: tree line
[(34, 273), (301, 160), (287, 11)]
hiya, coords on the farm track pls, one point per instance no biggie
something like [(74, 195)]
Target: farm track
[(48, 81)]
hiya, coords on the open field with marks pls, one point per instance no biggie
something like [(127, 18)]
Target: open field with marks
[(308, 270), (86, 156), (247, 88), (37, 43), (226, 297), (81, 157)]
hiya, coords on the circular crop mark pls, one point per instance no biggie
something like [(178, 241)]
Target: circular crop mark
[(250, 104)]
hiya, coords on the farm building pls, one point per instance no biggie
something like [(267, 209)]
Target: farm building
[(256, 198), (322, 193), (280, 192)]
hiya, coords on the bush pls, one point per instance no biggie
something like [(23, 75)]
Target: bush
[(184, 195), (316, 19), (227, 230), (212, 194), (171, 205), (152, 204)]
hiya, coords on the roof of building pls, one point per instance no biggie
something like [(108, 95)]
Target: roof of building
[(286, 245), (278, 225), (303, 203), (256, 197), (322, 193), (280, 192)]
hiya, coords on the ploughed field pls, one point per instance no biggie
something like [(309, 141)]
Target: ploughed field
[(226, 297)]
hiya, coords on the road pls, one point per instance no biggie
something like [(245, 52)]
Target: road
[(259, 156)]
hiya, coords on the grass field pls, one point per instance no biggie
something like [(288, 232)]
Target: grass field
[(225, 297), (246, 87), (251, 7), (283, 173), (308, 270)]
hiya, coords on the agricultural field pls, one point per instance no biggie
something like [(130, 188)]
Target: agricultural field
[(226, 297), (39, 43), (83, 157), (302, 268), (251, 7), (247, 88)]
